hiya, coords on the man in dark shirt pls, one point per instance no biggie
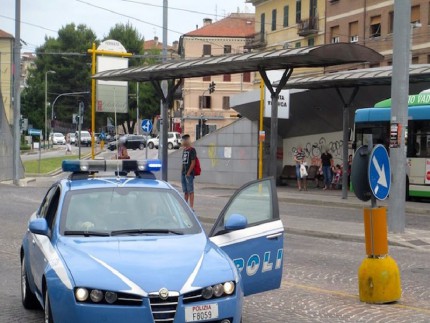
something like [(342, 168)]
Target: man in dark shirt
[(188, 163), (327, 163)]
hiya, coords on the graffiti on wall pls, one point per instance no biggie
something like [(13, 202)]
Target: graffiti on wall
[(315, 149)]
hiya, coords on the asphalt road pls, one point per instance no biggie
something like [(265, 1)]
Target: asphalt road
[(320, 275)]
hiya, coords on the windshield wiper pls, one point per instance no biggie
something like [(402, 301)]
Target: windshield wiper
[(86, 233), (145, 231)]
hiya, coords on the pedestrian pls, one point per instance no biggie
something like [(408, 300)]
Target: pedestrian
[(189, 156), (349, 169), (68, 145), (122, 149), (327, 164), (300, 160)]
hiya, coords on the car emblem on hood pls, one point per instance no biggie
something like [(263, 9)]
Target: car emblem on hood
[(163, 293)]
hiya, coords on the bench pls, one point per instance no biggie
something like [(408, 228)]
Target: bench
[(289, 173)]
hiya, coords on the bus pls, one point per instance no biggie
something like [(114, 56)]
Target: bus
[(376, 121)]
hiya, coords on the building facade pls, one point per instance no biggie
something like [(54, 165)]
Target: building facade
[(371, 23), (199, 106), (6, 72)]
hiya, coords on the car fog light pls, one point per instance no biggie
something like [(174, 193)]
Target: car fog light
[(111, 297), (218, 290), (229, 288), (225, 321), (96, 295), (207, 292), (81, 294)]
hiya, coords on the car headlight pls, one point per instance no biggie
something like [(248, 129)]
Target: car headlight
[(207, 292), (97, 296), (229, 288), (214, 291), (81, 294)]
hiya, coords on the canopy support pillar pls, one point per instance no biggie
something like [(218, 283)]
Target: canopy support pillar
[(345, 129), (167, 99), (274, 116)]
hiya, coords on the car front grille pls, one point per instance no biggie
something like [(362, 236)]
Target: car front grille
[(163, 310)]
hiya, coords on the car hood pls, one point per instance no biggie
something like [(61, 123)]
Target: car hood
[(142, 265)]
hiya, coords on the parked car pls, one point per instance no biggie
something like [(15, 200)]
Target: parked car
[(85, 138), (58, 138), (131, 142), (130, 249), (72, 137), (174, 141)]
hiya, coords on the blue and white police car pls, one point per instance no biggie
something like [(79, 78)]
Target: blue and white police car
[(129, 249)]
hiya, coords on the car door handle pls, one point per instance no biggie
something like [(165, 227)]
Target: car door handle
[(274, 236)]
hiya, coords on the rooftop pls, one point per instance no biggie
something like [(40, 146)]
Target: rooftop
[(239, 25), (155, 44), (4, 34)]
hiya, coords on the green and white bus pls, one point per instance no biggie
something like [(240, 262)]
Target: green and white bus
[(376, 121)]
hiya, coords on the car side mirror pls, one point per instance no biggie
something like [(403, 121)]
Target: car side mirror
[(236, 222), (39, 226)]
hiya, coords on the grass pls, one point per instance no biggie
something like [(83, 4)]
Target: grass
[(47, 165)]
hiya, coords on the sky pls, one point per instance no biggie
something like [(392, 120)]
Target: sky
[(42, 18)]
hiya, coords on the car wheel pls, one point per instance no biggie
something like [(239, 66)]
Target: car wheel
[(151, 145), (29, 300), (48, 312), (141, 146), (170, 145)]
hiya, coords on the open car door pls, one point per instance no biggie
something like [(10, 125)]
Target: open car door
[(250, 232)]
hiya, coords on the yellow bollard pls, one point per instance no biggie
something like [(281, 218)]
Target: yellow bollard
[(378, 275), (102, 144)]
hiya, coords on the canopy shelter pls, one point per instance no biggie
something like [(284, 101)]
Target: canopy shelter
[(286, 59), (350, 84)]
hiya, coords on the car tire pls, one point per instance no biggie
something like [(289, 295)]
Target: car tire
[(29, 300), (141, 146), (47, 310), (170, 145), (151, 145)]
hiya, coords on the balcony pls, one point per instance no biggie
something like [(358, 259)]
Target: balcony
[(308, 27), (258, 40)]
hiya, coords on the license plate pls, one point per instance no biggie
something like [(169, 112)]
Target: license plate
[(201, 312)]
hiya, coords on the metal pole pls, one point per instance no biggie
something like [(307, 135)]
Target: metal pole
[(93, 100), (399, 113), (17, 95), (164, 110), (261, 128), (345, 152), (137, 110), (46, 109), (273, 135), (40, 152)]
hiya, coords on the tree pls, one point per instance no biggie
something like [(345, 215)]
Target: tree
[(67, 56), (149, 102)]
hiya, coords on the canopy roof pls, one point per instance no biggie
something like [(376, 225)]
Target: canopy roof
[(361, 77), (318, 56)]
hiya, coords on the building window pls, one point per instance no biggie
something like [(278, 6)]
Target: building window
[(389, 63), (247, 77), (227, 49), (207, 50), (298, 44), (311, 42), (298, 11), (206, 78), (375, 26), (353, 32), (334, 34), (263, 23), (226, 78), (428, 59), (415, 14), (312, 8), (286, 13), (415, 60), (390, 22), (226, 103), (374, 65), (205, 102), (274, 13)]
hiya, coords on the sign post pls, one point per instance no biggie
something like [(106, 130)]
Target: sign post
[(37, 132), (378, 275), (146, 128)]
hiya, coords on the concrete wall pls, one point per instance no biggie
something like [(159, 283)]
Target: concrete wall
[(6, 146), (227, 156), (6, 51)]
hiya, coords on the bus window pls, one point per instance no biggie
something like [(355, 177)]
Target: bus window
[(419, 142)]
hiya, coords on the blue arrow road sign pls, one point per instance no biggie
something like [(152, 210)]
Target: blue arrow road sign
[(34, 132), (379, 172), (147, 125)]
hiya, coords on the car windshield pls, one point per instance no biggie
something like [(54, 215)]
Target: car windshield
[(58, 135), (126, 211)]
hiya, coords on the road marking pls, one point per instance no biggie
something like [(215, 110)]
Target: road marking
[(345, 294)]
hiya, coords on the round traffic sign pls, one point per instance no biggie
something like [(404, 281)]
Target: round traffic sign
[(379, 172)]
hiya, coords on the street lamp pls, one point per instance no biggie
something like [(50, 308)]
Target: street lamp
[(46, 105)]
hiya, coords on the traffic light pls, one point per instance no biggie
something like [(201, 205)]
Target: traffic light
[(212, 87)]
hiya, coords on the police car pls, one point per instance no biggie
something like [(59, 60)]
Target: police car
[(129, 249)]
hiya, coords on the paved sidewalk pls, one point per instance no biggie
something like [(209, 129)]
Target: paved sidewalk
[(319, 227)]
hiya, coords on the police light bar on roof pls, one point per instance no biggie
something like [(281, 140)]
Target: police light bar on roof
[(84, 166)]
